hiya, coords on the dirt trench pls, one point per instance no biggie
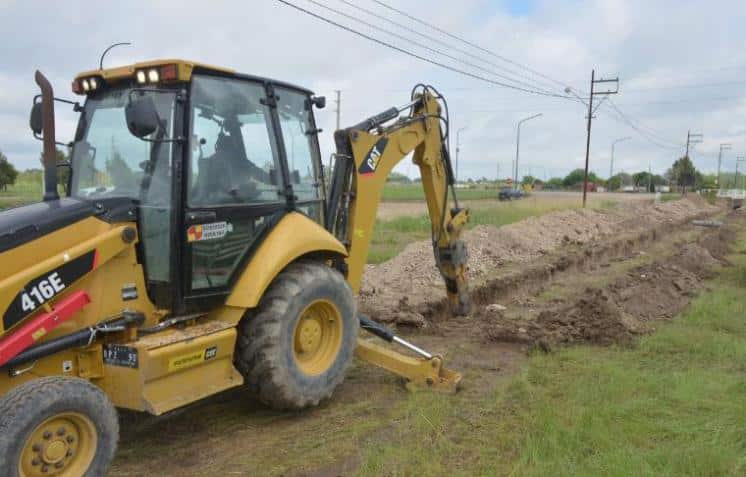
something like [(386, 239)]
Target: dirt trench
[(606, 296), (408, 290)]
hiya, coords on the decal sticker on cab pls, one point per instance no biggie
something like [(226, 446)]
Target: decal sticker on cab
[(213, 231)]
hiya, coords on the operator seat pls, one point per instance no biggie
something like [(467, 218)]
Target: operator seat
[(224, 177)]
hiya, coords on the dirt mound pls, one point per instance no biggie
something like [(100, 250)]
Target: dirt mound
[(412, 278), (594, 318), (696, 259), (614, 314)]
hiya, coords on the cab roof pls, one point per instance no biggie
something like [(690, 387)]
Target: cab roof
[(184, 69)]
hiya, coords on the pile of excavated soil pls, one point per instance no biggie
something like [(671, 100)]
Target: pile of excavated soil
[(594, 318), (625, 308), (394, 291)]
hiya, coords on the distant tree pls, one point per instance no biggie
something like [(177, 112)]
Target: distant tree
[(705, 181), (63, 170), (619, 180), (8, 172), (576, 177), (398, 177), (529, 180), (555, 183), (684, 173)]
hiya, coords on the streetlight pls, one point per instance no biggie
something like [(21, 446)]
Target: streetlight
[(611, 166), (458, 144), (518, 145)]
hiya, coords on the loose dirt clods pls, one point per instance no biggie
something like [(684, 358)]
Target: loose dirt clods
[(627, 306)]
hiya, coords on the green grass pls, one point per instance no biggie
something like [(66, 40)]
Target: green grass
[(672, 405), (26, 190), (404, 192), (670, 196)]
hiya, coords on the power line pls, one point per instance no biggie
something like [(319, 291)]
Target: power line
[(684, 86), (441, 42), (415, 55), (649, 131), (422, 45), (422, 22), (621, 117)]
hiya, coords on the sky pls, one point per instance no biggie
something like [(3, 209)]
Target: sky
[(681, 66)]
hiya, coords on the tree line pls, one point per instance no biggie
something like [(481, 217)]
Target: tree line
[(9, 174)]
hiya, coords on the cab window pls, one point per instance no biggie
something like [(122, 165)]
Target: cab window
[(234, 160), (301, 148)]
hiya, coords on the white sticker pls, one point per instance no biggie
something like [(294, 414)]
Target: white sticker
[(213, 231)]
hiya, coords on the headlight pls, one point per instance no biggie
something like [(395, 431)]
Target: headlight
[(141, 77), (86, 85), (93, 83), (153, 75)]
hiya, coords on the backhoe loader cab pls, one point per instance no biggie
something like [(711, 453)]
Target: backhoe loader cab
[(197, 250)]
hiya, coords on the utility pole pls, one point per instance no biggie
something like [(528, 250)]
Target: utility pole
[(611, 164), (339, 107), (458, 148), (692, 139), (593, 93), (723, 147), (650, 178), (518, 145)]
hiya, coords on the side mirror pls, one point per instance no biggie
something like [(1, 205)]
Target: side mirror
[(142, 116), (35, 119), (319, 101)]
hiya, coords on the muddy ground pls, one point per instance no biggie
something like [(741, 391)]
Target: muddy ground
[(595, 277)]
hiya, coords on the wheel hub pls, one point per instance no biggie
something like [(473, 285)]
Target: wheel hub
[(62, 445), (318, 337), (310, 335)]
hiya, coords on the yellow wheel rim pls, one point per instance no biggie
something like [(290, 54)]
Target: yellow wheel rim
[(63, 445), (317, 337)]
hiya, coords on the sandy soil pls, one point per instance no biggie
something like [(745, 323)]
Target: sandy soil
[(600, 285)]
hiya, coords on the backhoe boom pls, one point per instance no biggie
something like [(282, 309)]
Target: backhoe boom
[(366, 155)]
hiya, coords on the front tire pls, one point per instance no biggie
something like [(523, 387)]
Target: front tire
[(57, 426), (295, 347)]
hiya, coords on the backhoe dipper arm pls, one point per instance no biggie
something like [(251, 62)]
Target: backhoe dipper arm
[(366, 155)]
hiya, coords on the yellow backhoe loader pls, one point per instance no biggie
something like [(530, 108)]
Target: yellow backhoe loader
[(197, 249)]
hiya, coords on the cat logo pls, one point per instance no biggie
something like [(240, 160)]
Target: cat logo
[(370, 163)]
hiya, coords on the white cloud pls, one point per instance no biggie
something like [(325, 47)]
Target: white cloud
[(648, 44)]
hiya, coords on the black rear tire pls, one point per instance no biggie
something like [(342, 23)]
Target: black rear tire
[(267, 344), (27, 407)]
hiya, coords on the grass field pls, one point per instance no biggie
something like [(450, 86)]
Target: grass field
[(400, 192), (674, 404), (27, 189)]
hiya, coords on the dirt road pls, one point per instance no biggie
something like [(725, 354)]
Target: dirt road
[(613, 277)]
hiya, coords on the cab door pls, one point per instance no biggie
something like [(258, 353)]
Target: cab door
[(235, 182), (299, 136)]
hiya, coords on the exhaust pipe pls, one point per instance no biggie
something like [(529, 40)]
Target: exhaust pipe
[(50, 148)]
